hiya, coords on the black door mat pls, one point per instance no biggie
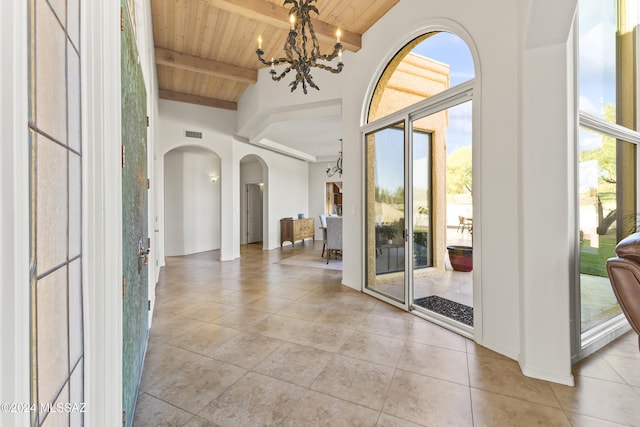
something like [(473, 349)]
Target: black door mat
[(451, 309)]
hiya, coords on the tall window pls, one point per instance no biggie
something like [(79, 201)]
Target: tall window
[(607, 153), (57, 336)]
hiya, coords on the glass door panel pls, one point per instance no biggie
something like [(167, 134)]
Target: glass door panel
[(385, 239), (441, 282), (421, 195)]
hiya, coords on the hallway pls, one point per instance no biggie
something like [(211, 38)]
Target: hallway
[(251, 342)]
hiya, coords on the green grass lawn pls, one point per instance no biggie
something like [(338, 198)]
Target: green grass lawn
[(593, 261)]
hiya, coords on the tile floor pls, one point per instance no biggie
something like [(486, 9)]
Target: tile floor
[(255, 343)]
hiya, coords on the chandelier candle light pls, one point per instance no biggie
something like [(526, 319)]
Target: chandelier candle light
[(302, 53)]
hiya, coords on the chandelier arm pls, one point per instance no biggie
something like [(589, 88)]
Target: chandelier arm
[(278, 61), (278, 78), (336, 70), (309, 80)]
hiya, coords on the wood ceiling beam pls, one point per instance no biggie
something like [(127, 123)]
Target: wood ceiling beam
[(205, 66), (278, 16), (198, 100)]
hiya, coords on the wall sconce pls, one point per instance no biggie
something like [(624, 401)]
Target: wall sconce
[(213, 178)]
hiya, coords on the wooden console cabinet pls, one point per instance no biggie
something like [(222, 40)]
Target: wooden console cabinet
[(292, 230)]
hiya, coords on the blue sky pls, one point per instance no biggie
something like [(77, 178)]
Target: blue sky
[(597, 62), (448, 49)]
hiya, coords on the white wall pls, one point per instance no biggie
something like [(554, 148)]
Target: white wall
[(317, 190), (285, 190), (217, 127), (286, 183), (192, 202), (509, 244)]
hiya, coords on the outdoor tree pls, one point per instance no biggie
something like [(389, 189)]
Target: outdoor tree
[(605, 154), (459, 177)]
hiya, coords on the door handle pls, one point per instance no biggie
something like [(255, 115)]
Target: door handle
[(143, 255)]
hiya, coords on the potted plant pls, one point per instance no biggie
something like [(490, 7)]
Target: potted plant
[(461, 257), (387, 232)]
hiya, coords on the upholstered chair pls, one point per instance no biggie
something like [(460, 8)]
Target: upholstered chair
[(624, 274), (334, 236)]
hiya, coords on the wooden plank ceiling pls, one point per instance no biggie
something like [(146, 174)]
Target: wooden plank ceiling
[(205, 49)]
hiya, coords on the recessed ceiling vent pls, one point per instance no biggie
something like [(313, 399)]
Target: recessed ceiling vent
[(193, 134)]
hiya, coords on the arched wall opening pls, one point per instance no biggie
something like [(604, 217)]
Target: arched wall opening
[(418, 134), (192, 201), (254, 206)]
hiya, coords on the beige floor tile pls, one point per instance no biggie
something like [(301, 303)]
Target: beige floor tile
[(166, 327), (492, 409), (504, 377), (601, 399), (579, 420), (435, 362), (199, 422), (236, 299), (628, 368), (204, 339), (193, 381), (303, 311), (595, 366), (387, 310), (295, 363), (246, 350), (291, 294), (477, 349), (269, 304), (340, 317), (161, 359), (428, 401), (379, 349), (386, 420), (255, 400), (280, 327), (625, 346), (241, 318), (399, 327), (323, 337), (259, 317), (207, 311), (425, 332), (173, 304), (152, 412), (356, 381), (317, 409)]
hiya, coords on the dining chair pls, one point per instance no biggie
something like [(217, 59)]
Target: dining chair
[(323, 227), (334, 236)]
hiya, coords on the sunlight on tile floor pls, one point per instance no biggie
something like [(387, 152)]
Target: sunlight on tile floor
[(251, 342)]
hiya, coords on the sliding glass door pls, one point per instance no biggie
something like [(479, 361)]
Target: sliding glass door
[(418, 183), (386, 231)]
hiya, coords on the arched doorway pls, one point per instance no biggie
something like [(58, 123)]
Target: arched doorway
[(253, 201), (192, 213), (419, 207)]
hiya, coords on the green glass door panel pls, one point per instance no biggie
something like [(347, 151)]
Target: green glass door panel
[(134, 218)]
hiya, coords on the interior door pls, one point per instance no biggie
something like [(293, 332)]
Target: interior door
[(134, 218), (254, 213)]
